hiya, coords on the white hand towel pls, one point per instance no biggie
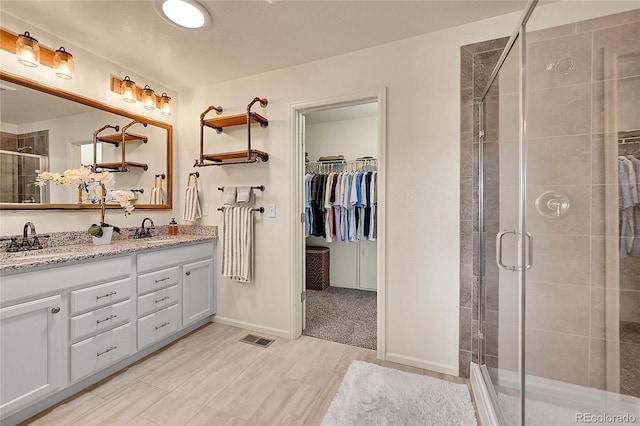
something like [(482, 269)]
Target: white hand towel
[(229, 195), (244, 194)]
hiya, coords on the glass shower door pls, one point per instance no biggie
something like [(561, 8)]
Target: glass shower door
[(499, 313)]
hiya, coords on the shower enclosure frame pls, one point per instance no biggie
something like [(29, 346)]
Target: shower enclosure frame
[(480, 379)]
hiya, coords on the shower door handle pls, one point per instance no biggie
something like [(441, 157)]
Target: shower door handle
[(499, 238), (499, 261), (529, 251)]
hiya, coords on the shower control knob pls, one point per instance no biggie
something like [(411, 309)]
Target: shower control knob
[(552, 204)]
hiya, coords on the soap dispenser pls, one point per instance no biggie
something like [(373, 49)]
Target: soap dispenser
[(173, 227)]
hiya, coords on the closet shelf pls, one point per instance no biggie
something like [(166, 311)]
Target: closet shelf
[(234, 157), (116, 138), (121, 166), (220, 123)]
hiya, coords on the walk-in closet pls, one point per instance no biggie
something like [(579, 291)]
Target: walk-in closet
[(340, 185)]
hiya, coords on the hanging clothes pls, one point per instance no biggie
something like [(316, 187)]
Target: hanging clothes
[(627, 201), (341, 205)]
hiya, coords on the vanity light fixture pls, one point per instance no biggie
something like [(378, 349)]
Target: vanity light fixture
[(165, 104), (27, 50), (30, 53), (148, 98), (63, 64), (146, 95), (128, 90), (184, 13)]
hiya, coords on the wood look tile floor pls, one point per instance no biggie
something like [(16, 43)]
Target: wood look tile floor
[(210, 378)]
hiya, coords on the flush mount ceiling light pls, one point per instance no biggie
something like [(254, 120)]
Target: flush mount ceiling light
[(184, 13)]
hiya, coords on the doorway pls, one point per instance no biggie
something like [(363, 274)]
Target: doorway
[(340, 224), (354, 273)]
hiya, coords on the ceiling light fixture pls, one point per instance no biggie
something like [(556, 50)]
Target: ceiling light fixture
[(27, 50), (185, 13)]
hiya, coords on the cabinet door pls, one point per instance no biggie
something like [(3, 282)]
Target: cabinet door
[(368, 272), (31, 356), (197, 291)]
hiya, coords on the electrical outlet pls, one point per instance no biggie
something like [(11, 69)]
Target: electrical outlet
[(272, 210), (205, 210)]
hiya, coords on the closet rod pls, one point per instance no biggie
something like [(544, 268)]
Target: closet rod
[(259, 209), (260, 187)]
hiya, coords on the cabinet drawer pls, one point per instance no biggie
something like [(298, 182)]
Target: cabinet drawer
[(157, 280), (158, 299), (101, 319), (100, 295), (159, 325), (98, 352)]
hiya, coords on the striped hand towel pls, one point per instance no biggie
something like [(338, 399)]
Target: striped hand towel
[(237, 244), (192, 210)]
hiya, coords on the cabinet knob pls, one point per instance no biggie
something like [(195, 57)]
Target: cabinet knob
[(188, 273), (55, 310)]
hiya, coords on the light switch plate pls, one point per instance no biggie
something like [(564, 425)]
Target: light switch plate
[(205, 210), (271, 212)]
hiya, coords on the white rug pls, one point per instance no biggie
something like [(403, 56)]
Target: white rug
[(374, 395)]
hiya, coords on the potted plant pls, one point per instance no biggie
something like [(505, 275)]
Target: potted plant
[(96, 184)]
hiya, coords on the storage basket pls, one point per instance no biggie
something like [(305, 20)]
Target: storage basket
[(317, 268)]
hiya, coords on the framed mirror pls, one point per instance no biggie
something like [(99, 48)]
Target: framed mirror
[(48, 129)]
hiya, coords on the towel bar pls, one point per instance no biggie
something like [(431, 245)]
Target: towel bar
[(260, 187), (259, 209)]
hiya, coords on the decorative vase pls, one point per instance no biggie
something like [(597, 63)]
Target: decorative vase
[(107, 233)]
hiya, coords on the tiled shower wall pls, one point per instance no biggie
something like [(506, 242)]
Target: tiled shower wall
[(477, 62)]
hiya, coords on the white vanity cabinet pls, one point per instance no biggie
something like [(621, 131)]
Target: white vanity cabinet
[(175, 289), (66, 326), (31, 351)]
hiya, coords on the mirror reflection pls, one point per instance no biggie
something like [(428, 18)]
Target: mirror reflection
[(44, 132)]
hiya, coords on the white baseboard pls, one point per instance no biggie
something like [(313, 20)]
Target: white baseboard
[(421, 363), (252, 327), (486, 410)]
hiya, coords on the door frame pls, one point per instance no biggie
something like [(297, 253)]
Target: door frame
[(296, 194)]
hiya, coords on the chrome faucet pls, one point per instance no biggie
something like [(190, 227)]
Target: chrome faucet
[(143, 232)]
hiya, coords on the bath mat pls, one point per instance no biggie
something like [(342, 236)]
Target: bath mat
[(374, 395)]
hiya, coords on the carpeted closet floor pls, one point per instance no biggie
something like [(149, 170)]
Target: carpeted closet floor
[(342, 315)]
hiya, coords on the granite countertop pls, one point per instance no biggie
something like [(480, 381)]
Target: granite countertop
[(24, 260)]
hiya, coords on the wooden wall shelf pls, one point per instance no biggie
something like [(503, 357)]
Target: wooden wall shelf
[(116, 138), (234, 157), (121, 166), (220, 123)]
